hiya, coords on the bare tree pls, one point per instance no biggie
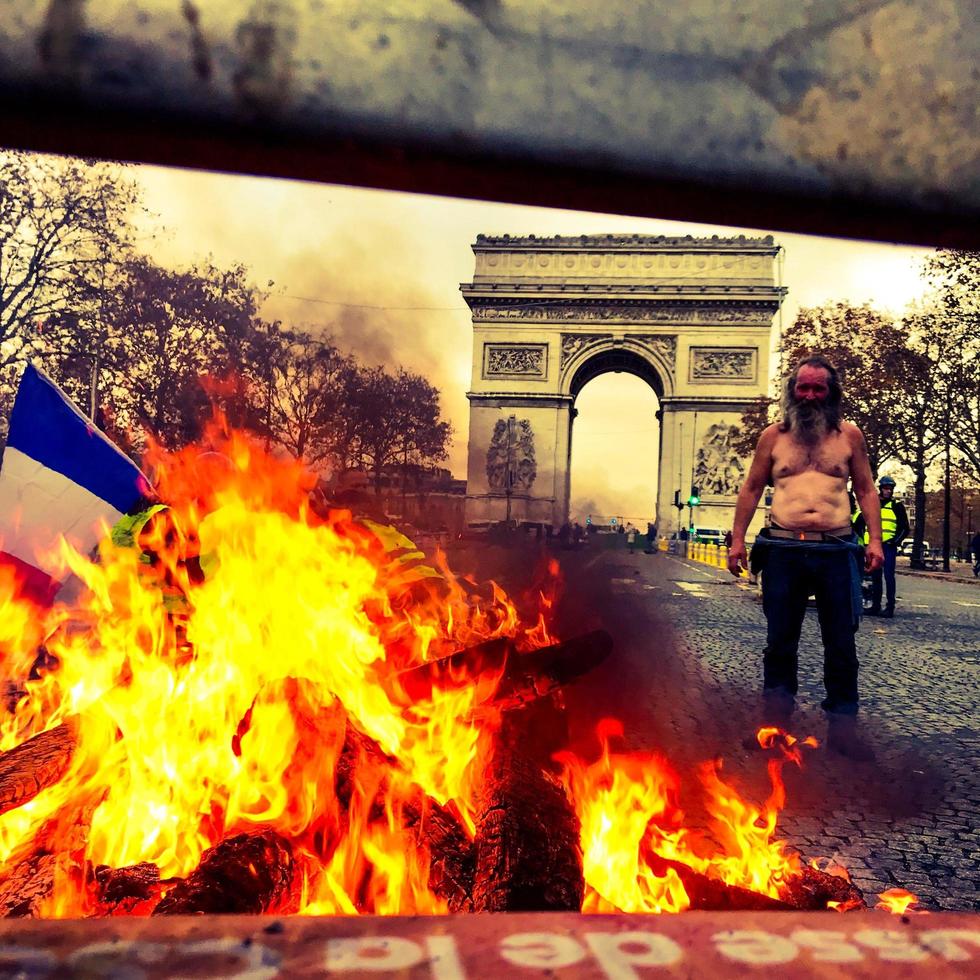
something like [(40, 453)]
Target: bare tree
[(308, 392), (955, 278), (63, 222), (178, 343), (398, 420)]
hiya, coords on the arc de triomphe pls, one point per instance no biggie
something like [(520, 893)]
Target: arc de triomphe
[(690, 316)]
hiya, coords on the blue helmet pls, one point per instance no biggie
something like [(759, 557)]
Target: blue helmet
[(886, 481)]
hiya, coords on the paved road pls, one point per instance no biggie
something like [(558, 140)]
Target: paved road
[(685, 677)]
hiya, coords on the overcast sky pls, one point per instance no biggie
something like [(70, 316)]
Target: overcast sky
[(380, 272)]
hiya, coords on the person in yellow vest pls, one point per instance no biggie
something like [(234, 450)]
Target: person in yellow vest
[(894, 529)]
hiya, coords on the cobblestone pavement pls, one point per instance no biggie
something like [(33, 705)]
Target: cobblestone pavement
[(685, 677), (912, 819)]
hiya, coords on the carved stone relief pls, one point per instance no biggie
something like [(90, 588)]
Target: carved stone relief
[(572, 343), (663, 344), (747, 315), (510, 456), (521, 360), (723, 364), (718, 468)]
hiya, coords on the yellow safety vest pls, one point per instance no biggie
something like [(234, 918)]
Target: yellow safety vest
[(889, 520), (406, 564), (127, 529), (126, 533), (889, 523)]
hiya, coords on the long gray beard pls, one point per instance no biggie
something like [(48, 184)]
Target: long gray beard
[(808, 421)]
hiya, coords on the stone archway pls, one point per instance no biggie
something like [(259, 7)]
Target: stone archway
[(691, 316)]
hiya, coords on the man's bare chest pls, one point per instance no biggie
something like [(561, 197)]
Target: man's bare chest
[(830, 457)]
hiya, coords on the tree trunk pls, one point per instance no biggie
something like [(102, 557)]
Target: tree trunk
[(946, 494), (918, 533)]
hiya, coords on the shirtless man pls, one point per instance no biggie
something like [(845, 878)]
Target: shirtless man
[(810, 548)]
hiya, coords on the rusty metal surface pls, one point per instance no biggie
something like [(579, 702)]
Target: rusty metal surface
[(609, 947), (873, 101)]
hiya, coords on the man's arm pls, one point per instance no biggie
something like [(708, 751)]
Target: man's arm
[(748, 499), (863, 485)]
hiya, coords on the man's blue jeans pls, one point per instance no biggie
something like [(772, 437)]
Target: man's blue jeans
[(888, 570), (789, 577)]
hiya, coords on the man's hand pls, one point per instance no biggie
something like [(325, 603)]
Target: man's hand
[(874, 556), (737, 558)]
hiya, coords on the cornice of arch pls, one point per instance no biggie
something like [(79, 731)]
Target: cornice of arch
[(545, 290), (709, 310), (628, 242)]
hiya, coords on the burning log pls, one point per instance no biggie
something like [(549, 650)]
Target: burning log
[(248, 873), (711, 895), (528, 856), (57, 852), (29, 883), (457, 670), (526, 677), (535, 675), (35, 765), (452, 864), (814, 889), (132, 890)]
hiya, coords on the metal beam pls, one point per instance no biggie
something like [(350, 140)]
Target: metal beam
[(851, 117)]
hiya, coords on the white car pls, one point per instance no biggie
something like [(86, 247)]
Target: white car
[(905, 548), (709, 536)]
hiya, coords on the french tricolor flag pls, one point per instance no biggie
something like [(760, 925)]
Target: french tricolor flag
[(61, 477)]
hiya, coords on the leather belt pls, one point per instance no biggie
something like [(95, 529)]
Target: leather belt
[(833, 535)]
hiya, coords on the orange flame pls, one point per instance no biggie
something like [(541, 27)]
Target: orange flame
[(211, 673), (248, 664), (898, 901), (634, 835)]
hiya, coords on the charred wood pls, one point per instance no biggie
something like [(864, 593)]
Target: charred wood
[(452, 855), (133, 890), (531, 676), (524, 677), (35, 765), (248, 873), (457, 670), (113, 885), (711, 895), (56, 853), (437, 828), (813, 889), (528, 856)]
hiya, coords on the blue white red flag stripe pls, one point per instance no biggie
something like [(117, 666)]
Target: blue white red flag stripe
[(61, 477), (46, 425)]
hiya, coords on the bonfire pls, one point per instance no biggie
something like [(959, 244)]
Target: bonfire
[(265, 705)]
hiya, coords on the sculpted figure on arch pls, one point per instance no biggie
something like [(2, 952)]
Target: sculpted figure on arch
[(810, 548)]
